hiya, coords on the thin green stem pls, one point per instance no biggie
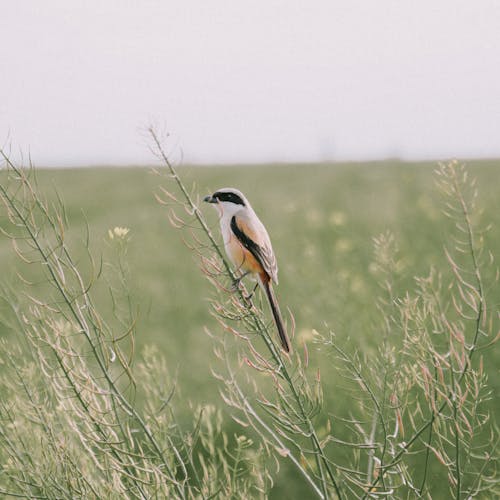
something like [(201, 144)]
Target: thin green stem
[(472, 348), (427, 456), (76, 313), (260, 326), (250, 409), (458, 478)]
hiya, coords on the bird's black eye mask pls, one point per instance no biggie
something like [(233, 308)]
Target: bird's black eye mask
[(228, 196)]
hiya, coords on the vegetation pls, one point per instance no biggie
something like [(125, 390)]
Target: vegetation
[(108, 386)]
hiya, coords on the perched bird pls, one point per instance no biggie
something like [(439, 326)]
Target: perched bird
[(248, 246)]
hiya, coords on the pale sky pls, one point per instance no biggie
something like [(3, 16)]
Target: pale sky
[(250, 81)]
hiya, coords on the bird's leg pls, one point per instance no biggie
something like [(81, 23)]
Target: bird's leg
[(237, 281), (250, 295)]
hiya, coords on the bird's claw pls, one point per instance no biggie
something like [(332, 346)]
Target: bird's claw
[(237, 281), (236, 284)]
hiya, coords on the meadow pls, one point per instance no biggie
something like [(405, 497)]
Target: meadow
[(322, 219)]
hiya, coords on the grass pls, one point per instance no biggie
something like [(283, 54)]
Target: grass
[(322, 219)]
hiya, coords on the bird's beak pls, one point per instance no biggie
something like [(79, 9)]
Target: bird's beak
[(210, 199)]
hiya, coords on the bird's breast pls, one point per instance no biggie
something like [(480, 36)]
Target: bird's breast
[(242, 259)]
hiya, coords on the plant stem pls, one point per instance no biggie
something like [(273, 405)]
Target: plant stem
[(322, 461)]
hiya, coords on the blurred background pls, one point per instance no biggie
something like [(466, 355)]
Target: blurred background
[(259, 81)]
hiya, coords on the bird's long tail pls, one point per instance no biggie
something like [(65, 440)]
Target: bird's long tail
[(266, 283)]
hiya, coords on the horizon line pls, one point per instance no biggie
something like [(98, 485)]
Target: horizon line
[(228, 164)]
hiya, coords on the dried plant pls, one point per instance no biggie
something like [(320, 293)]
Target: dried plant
[(296, 400), (70, 426), (419, 404)]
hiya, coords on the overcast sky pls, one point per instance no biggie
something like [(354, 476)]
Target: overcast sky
[(247, 81)]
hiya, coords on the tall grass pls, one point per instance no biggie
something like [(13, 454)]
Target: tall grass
[(417, 403), (83, 414), (70, 426)]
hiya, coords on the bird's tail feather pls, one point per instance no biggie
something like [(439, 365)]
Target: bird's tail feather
[(276, 314)]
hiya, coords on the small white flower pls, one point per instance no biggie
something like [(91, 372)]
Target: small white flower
[(337, 218), (343, 245), (118, 232)]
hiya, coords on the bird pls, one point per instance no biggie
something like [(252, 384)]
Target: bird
[(248, 246)]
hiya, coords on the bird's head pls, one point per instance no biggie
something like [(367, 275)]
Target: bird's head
[(227, 201)]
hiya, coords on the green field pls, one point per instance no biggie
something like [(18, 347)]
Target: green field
[(322, 219)]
